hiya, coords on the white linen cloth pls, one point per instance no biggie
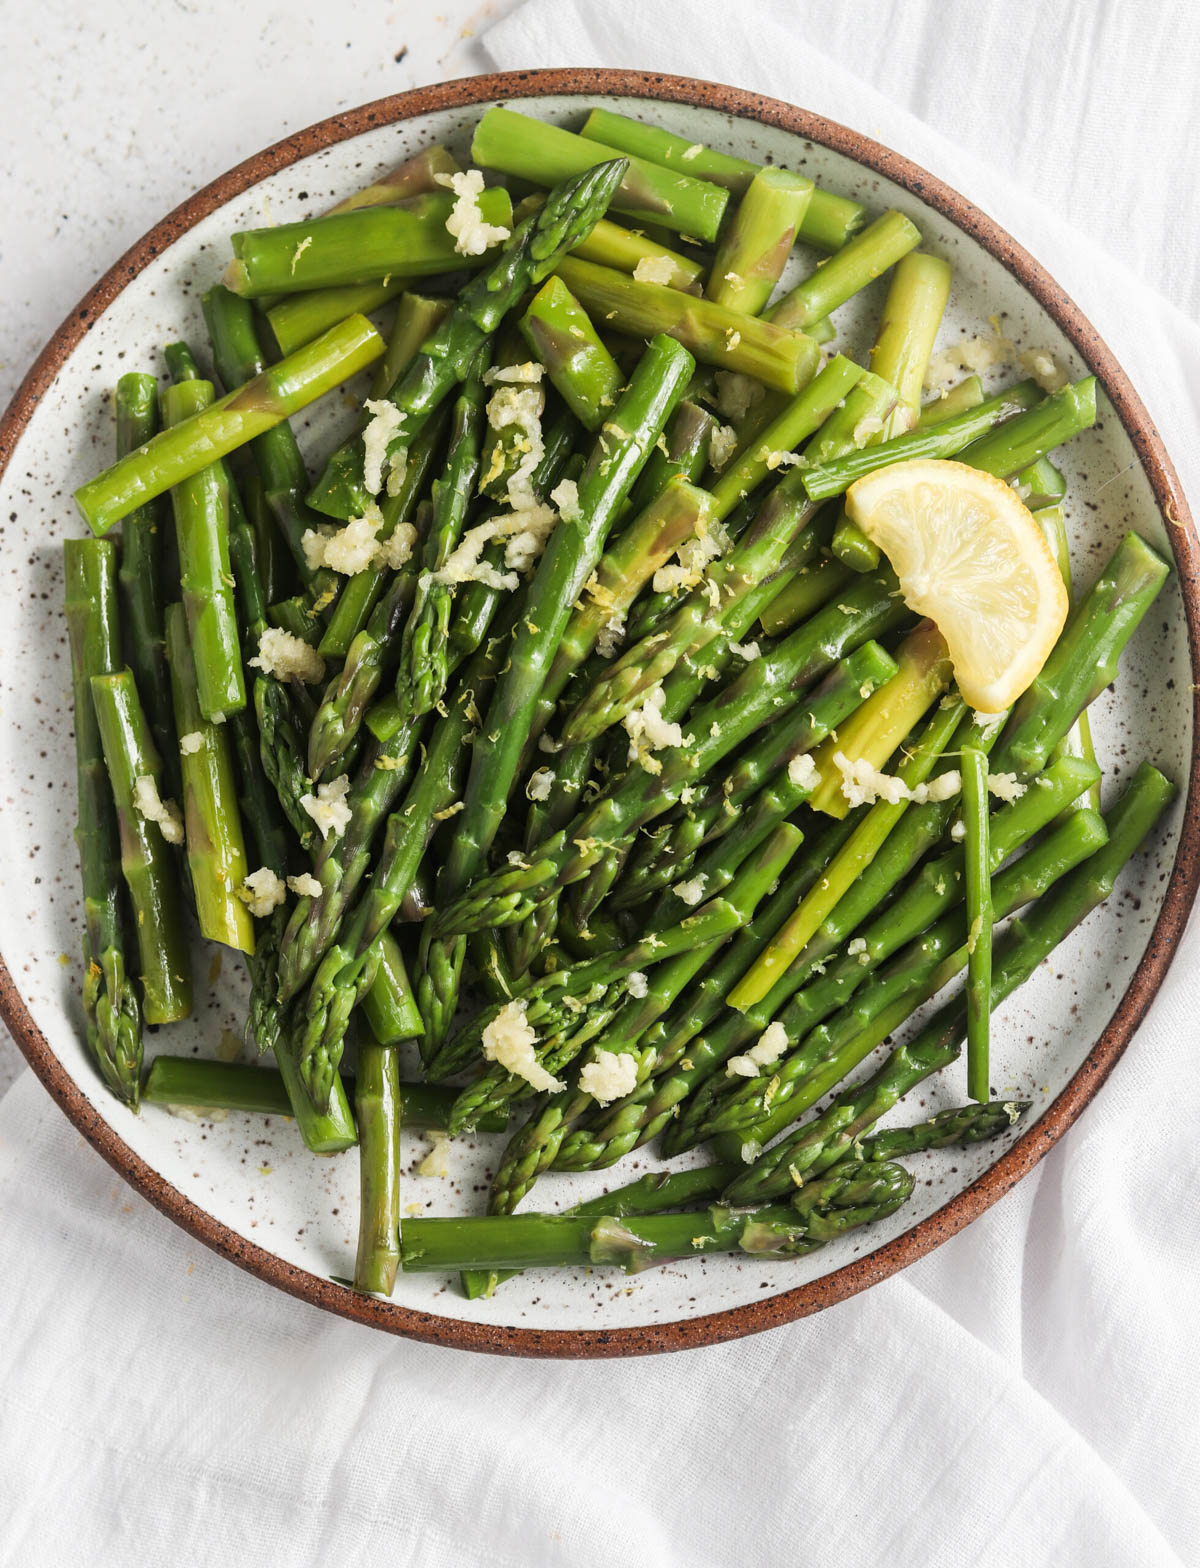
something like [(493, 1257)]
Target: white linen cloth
[(1027, 1394)]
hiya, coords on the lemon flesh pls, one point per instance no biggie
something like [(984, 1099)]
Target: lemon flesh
[(971, 557)]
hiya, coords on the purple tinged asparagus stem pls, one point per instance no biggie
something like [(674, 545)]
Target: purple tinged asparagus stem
[(757, 240)]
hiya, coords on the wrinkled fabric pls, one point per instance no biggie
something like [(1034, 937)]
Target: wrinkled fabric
[(1025, 1395)]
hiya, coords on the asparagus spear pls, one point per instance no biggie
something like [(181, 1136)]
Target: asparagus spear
[(863, 258), (236, 1086), (954, 1128), (416, 176), (729, 339), (844, 1200), (424, 652), (569, 1008), (951, 402), (359, 594), (978, 886), (1085, 658), (561, 336), (337, 725), (516, 144), (449, 352), (327, 1129), (613, 245), (112, 1014), (757, 241), (1041, 485), (1082, 663), (176, 454), (686, 440), (813, 988), (281, 753), (413, 177), (369, 243), (201, 506), (300, 318), (390, 1007), (827, 222), (141, 575), (817, 1144), (216, 851), (604, 1135), (654, 1193), (707, 609), (569, 559), (134, 771), (803, 593), (238, 356), (718, 728), (879, 727), (1077, 742), (533, 1149), (912, 314), (378, 1111)]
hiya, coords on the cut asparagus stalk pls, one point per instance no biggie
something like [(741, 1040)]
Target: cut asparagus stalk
[(543, 154), (757, 241), (864, 257), (561, 336), (178, 453), (828, 221), (146, 860), (728, 339), (378, 1109), (216, 851), (111, 1009), (142, 576), (978, 888), (237, 1086), (844, 1200), (201, 506), (362, 246)]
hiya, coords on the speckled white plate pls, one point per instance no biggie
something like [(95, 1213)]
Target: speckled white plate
[(246, 1185)]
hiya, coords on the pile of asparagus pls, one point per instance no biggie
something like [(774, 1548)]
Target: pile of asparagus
[(442, 779)]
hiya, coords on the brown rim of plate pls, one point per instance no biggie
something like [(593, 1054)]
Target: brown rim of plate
[(1181, 888)]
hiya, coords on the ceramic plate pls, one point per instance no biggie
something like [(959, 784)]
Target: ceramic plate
[(246, 1185)]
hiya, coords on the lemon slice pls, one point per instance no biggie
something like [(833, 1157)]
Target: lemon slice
[(972, 558)]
